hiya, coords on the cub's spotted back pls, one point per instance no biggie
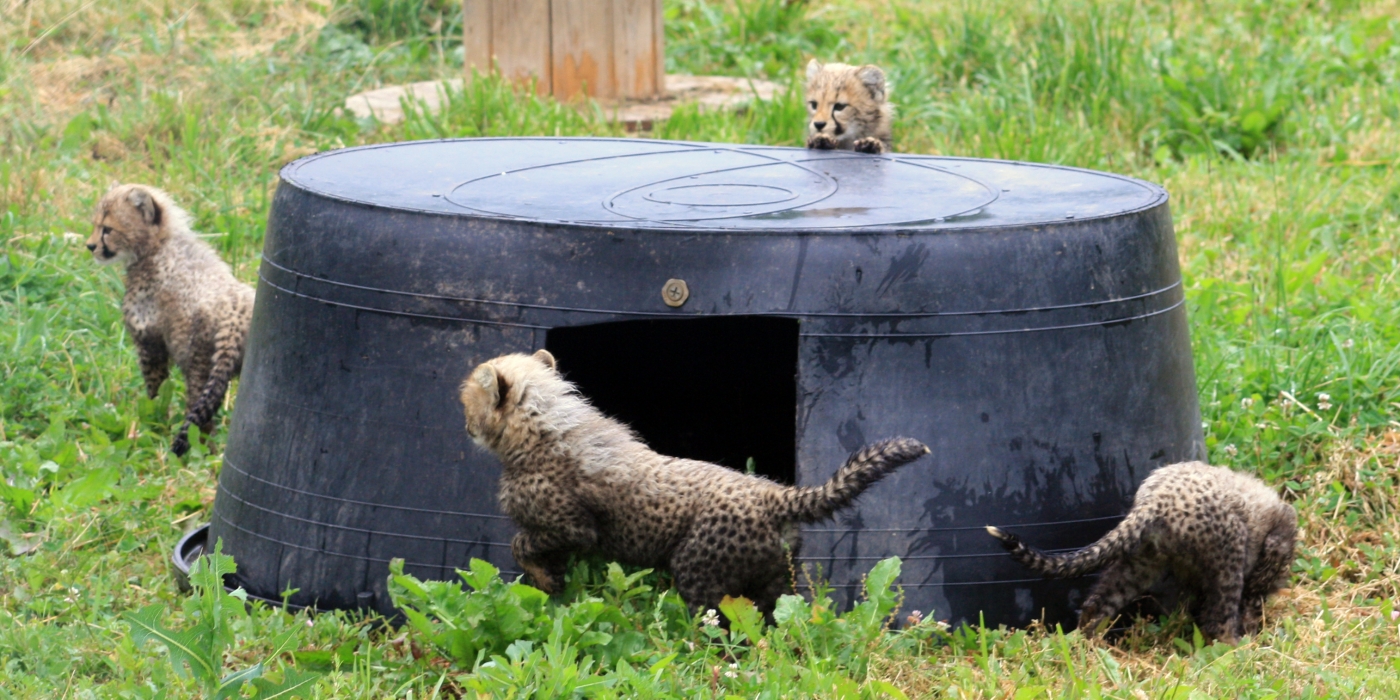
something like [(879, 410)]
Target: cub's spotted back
[(847, 108)]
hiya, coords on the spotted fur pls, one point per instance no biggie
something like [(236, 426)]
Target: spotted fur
[(847, 108), (1226, 537), (182, 302), (576, 481)]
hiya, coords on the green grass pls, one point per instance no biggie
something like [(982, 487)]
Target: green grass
[(1273, 125)]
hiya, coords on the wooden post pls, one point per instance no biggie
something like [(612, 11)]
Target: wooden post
[(599, 48)]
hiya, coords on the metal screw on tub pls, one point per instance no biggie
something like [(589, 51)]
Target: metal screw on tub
[(675, 292)]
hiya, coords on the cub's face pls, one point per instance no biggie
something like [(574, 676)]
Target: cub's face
[(492, 391), (843, 103), (127, 222)]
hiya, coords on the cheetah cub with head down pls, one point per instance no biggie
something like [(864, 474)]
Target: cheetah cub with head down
[(1226, 537), (847, 108), (182, 302), (577, 481)]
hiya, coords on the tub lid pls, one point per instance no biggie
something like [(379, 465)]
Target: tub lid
[(726, 187)]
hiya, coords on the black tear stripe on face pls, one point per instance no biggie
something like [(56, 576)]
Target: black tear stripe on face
[(107, 252), (840, 128)]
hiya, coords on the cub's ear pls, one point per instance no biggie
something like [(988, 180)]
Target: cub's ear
[(489, 380), (543, 356), (143, 202), (813, 68), (874, 80)]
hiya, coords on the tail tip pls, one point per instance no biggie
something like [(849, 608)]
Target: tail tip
[(906, 448), (1008, 541)]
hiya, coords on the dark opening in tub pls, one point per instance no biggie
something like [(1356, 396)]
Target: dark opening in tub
[(720, 389)]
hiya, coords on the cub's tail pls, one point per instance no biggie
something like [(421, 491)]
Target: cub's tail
[(864, 467), (1119, 540)]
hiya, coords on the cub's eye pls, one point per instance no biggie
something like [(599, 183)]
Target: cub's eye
[(106, 230), (812, 104), (838, 106)]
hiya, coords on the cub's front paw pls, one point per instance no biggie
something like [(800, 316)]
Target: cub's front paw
[(869, 144), (821, 142), (540, 578)]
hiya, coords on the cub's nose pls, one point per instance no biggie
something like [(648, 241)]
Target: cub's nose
[(818, 125), (92, 247)]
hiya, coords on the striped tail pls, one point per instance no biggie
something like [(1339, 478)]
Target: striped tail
[(1119, 540), (864, 467)]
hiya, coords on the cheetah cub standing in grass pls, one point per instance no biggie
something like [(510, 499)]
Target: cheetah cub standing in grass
[(182, 302), (847, 108), (576, 481), (1226, 537)]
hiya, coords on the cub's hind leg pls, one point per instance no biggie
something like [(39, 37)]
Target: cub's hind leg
[(196, 376), (770, 573), (1121, 583), (209, 396), (703, 571)]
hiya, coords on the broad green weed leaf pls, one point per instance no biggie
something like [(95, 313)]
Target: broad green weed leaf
[(791, 607), (482, 574), (656, 668), (887, 689), (294, 684), (1180, 692), (87, 489), (743, 615), (881, 577), (1029, 692), (190, 647), (231, 684)]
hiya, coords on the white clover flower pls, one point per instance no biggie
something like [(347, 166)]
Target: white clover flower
[(1348, 343), (1324, 401), (915, 618), (1246, 402), (1231, 450), (710, 618)]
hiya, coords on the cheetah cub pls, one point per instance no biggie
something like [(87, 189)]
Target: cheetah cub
[(182, 302), (1225, 536), (577, 481), (847, 108)]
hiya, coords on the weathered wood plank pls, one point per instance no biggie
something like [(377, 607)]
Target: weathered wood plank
[(583, 48), (634, 48), (658, 47), (601, 48), (520, 31), (476, 34)]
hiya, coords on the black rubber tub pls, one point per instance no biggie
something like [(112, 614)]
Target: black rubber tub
[(732, 303)]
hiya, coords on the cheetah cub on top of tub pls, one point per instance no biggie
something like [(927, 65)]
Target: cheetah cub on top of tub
[(182, 302), (847, 108), (1225, 536), (577, 481)]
